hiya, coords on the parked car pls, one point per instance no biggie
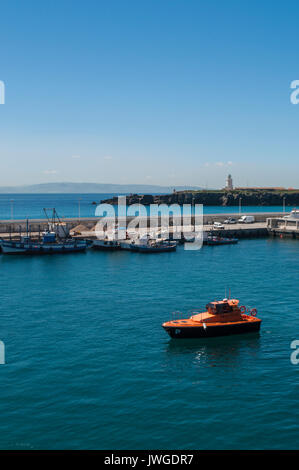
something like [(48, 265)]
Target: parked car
[(218, 225), (246, 219), (230, 220)]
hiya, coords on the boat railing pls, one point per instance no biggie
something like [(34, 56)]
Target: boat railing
[(177, 315), (193, 312)]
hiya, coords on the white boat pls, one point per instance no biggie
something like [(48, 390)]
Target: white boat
[(114, 238), (146, 244), (294, 215)]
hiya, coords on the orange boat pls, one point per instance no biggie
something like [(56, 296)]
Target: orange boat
[(221, 318)]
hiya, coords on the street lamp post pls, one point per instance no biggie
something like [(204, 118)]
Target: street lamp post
[(11, 208), (240, 205), (284, 204), (79, 208)]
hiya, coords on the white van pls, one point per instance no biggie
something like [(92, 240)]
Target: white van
[(246, 219)]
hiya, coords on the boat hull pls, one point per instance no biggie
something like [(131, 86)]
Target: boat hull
[(14, 248), (212, 331), (157, 249), (126, 245), (140, 248), (105, 246), (226, 241)]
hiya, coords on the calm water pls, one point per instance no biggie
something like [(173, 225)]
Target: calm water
[(21, 206), (89, 366)]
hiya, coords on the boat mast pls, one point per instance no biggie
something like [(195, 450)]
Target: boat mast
[(54, 217), (59, 221)]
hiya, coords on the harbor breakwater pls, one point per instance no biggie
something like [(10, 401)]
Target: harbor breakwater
[(250, 197)]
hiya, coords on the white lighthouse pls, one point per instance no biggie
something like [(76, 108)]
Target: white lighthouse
[(229, 183)]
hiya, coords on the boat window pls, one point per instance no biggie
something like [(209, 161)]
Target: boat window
[(210, 308), (223, 308)]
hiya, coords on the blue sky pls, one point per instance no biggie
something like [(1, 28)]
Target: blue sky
[(154, 91)]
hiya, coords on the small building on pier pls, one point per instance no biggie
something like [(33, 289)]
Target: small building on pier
[(287, 225)]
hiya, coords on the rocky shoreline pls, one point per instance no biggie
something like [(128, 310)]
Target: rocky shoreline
[(215, 198)]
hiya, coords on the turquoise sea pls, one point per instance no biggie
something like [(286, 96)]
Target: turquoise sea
[(21, 206), (88, 365)]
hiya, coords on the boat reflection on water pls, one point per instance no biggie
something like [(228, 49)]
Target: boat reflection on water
[(225, 351)]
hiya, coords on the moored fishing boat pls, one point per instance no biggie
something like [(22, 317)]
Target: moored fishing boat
[(147, 245), (221, 318), (49, 245), (156, 248), (106, 245), (215, 240), (112, 239), (53, 241)]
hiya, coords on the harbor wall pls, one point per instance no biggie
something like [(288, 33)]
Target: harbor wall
[(36, 225), (244, 232)]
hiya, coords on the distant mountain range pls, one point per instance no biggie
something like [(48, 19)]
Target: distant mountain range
[(93, 188)]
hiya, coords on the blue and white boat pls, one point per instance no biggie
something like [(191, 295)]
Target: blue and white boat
[(48, 245), (54, 240)]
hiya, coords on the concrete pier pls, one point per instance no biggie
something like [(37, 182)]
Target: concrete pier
[(260, 228), (257, 230), (36, 225)]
